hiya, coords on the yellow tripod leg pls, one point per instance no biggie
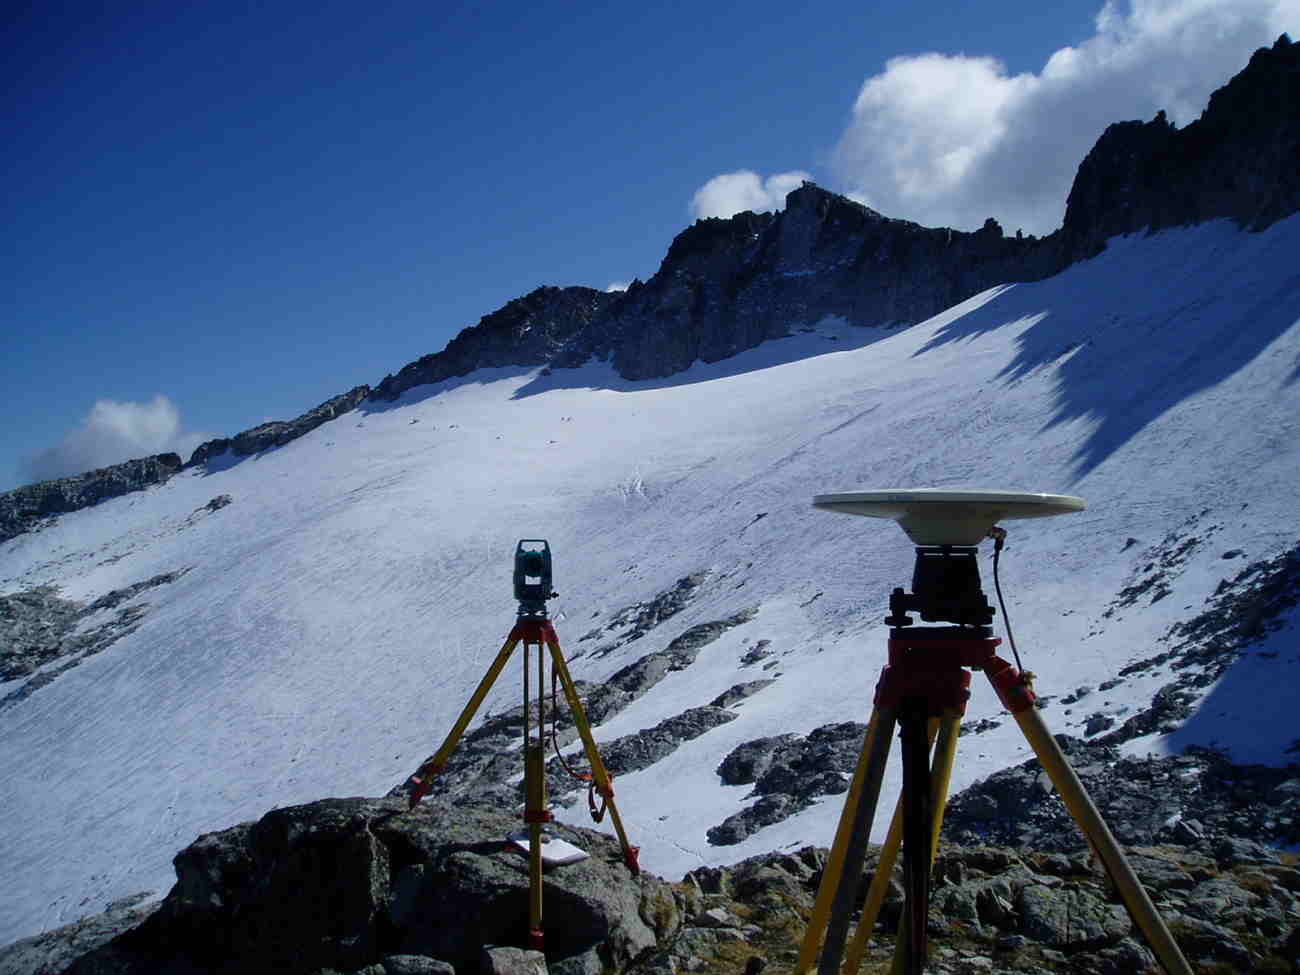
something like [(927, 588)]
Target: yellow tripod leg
[(835, 861), (535, 811), (855, 822), (941, 775), (425, 774), (1098, 833), (945, 757), (535, 779), (604, 785)]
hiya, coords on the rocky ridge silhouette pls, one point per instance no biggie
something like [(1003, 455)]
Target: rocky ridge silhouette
[(727, 285)]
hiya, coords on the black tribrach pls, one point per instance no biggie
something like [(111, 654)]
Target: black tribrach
[(945, 589)]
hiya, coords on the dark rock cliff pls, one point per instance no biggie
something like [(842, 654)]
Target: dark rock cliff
[(24, 508), (277, 433), (1240, 160), (527, 331), (728, 285)]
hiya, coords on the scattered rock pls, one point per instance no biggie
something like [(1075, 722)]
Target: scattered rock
[(739, 692), (788, 772), (1243, 609), (53, 951), (512, 961), (415, 965), (739, 826), (39, 629), (1098, 722), (643, 749), (1195, 798), (756, 653)]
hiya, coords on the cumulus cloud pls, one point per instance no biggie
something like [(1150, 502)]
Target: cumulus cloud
[(731, 193), (111, 433), (950, 139)]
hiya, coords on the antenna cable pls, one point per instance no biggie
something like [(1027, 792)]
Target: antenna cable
[(999, 536)]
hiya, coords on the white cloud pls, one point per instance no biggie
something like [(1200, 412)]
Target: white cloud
[(949, 139), (111, 433), (731, 193)]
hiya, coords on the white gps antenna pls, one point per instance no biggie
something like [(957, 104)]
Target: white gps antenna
[(935, 516)]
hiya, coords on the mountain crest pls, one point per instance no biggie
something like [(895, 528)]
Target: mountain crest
[(727, 285)]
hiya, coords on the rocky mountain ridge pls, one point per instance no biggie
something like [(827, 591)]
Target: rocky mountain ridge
[(727, 285)]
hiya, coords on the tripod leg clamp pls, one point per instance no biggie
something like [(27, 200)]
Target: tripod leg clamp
[(421, 782), (1012, 686)]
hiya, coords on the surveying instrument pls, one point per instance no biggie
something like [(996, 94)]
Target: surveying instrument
[(532, 578), (923, 691)]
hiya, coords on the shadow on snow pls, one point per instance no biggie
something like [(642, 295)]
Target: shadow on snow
[(1145, 325)]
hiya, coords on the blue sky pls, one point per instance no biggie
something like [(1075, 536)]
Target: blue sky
[(220, 214)]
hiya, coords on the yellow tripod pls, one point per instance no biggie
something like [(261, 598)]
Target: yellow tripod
[(536, 633), (923, 690)]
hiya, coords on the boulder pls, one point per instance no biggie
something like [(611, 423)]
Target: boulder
[(343, 884)]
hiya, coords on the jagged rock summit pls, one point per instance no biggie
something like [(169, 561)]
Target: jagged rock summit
[(1239, 160), (729, 285)]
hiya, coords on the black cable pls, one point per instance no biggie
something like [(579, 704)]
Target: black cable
[(998, 541), (555, 740)]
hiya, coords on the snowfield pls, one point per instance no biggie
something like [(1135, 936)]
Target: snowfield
[(340, 610)]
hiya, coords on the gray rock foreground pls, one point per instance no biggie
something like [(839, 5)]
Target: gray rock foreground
[(364, 886)]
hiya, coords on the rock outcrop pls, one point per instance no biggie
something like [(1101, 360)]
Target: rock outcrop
[(277, 433), (26, 508), (43, 636), (352, 885), (527, 331), (1196, 797), (361, 886), (1240, 160), (788, 772), (729, 285)]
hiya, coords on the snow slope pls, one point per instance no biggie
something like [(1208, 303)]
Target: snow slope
[(339, 612)]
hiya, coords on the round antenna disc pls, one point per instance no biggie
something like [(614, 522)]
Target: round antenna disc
[(934, 516)]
